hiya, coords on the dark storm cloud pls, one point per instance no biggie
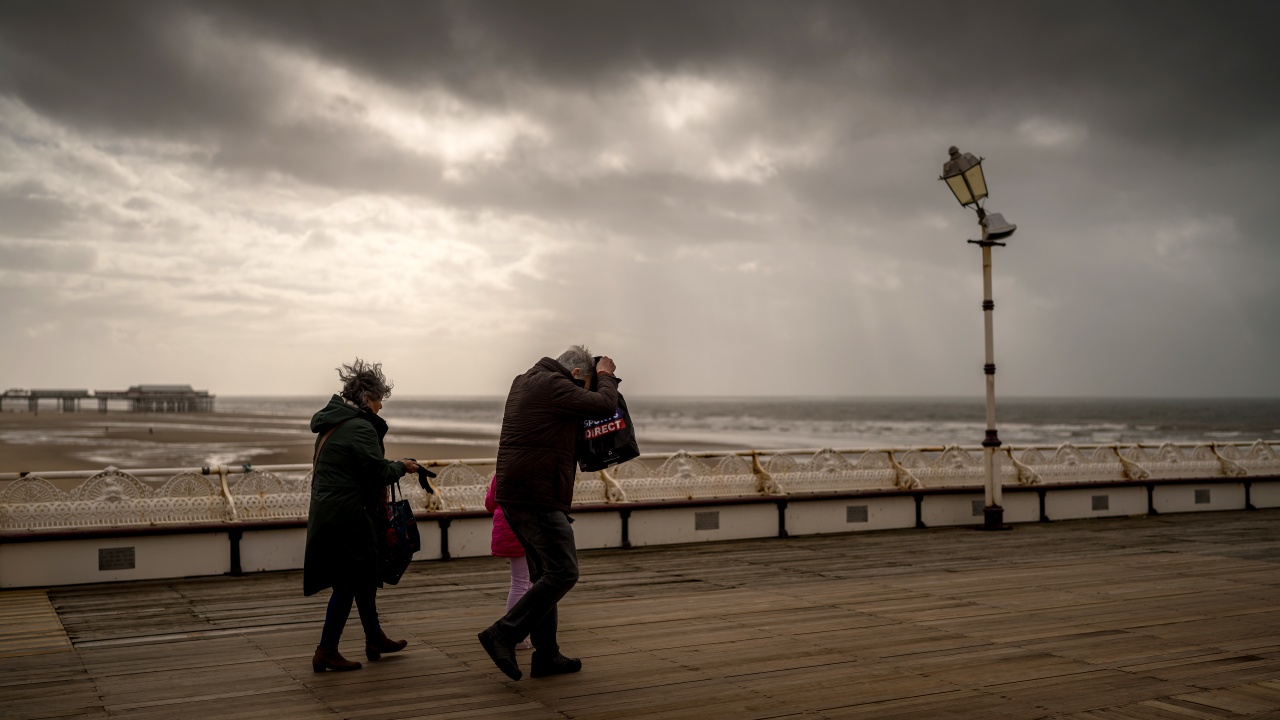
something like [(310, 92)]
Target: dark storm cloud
[(1179, 70), (1179, 75), (127, 67), (1183, 72), (472, 47)]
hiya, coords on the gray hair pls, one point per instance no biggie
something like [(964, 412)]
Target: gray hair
[(578, 356), (361, 379)]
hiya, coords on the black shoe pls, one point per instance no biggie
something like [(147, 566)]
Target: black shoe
[(543, 665), (502, 654)]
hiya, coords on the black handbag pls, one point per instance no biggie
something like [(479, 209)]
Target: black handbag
[(402, 538), (605, 443)]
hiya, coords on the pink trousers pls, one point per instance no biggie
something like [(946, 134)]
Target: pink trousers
[(519, 586), (519, 581)]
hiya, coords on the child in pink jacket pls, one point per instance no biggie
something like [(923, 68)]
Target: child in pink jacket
[(505, 544)]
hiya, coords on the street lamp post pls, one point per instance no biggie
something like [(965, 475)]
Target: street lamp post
[(963, 174)]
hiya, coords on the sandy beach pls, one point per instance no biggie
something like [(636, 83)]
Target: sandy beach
[(51, 441), (55, 441)]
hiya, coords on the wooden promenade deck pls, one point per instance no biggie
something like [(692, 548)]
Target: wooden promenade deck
[(1166, 617)]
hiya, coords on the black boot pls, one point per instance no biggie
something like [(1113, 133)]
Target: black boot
[(502, 654), (544, 664)]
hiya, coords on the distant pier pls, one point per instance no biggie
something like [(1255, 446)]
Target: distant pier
[(139, 398)]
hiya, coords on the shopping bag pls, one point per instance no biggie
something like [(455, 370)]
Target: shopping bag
[(608, 442), (402, 539)]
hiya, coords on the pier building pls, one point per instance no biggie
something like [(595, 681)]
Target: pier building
[(138, 398), (158, 398), (66, 400)]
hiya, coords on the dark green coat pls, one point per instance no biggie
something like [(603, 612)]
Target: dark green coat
[(348, 492)]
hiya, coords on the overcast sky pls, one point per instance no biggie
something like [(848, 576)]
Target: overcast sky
[(729, 198)]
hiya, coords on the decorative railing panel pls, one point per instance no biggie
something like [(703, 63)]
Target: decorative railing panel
[(112, 498), (458, 486), (261, 494), (120, 498)]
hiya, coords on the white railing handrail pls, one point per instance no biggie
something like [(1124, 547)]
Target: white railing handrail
[(241, 468), (233, 493)]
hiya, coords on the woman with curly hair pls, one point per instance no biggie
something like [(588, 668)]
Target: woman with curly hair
[(348, 512)]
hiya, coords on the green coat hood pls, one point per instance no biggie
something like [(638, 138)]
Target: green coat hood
[(339, 411)]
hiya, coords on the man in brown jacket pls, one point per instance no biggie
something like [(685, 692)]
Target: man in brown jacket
[(536, 471)]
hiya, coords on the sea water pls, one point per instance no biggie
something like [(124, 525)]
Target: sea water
[(665, 424), (776, 423)]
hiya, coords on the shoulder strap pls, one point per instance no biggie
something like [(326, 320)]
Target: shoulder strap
[(316, 458)]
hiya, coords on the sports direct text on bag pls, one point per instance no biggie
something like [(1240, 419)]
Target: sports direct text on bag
[(597, 428)]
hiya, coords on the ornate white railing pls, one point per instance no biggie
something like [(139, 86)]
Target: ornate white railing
[(171, 496)]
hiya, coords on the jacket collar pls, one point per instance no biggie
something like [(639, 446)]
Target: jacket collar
[(550, 365)]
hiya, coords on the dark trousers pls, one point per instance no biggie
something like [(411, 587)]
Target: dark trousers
[(548, 544), (335, 616)]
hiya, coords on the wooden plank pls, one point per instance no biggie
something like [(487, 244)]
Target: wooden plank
[(29, 625), (1163, 617)]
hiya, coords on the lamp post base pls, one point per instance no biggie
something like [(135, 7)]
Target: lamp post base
[(993, 518)]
